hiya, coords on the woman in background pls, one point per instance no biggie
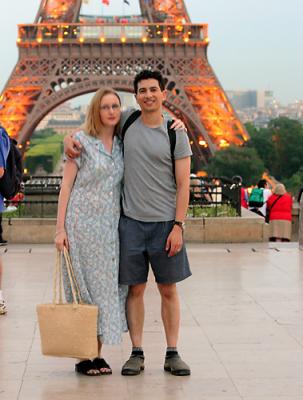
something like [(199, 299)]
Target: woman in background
[(279, 206)]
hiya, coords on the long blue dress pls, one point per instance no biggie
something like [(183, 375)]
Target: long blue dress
[(92, 228)]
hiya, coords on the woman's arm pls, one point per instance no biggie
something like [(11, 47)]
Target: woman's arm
[(1, 172), (69, 176)]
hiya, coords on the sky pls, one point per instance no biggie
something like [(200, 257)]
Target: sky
[(254, 44)]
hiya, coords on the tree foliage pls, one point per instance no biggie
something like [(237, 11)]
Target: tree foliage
[(243, 161), (280, 147)]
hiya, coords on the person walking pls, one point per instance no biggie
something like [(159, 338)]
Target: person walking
[(237, 180), (155, 199), (279, 207), (4, 150), (87, 222)]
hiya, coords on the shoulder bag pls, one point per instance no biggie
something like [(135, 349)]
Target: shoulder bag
[(68, 329)]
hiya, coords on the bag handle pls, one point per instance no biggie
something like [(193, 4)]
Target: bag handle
[(57, 273), (71, 275), (69, 262)]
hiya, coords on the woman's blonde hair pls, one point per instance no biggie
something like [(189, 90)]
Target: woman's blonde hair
[(93, 123), (279, 189)]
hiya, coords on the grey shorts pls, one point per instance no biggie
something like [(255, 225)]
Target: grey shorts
[(143, 243)]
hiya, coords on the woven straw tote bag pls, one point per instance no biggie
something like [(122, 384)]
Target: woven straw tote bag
[(68, 329)]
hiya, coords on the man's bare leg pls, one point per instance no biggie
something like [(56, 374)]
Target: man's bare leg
[(135, 313), (170, 311), (3, 309), (135, 318)]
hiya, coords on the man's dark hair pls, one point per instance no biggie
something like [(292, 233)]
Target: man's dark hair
[(262, 183), (237, 179), (148, 74)]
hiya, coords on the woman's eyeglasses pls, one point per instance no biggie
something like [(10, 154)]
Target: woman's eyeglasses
[(106, 107)]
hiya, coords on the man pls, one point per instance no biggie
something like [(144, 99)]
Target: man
[(237, 179), (155, 201), (261, 210), (4, 150)]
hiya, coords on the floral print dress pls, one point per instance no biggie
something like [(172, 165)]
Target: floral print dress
[(91, 224)]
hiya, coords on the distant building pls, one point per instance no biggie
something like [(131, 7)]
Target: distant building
[(63, 119), (243, 99), (65, 127)]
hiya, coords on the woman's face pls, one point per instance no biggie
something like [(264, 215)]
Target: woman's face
[(110, 110)]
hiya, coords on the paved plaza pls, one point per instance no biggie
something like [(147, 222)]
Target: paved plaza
[(241, 331)]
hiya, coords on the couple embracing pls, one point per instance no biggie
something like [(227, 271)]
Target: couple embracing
[(112, 243)]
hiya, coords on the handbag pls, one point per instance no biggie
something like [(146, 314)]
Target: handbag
[(68, 329), (268, 210)]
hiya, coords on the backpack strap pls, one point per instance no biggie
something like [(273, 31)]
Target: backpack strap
[(172, 140), (171, 134), (130, 120)]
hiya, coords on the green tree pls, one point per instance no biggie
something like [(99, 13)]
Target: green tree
[(295, 182), (287, 138), (243, 161), (261, 141), (44, 133), (280, 146)]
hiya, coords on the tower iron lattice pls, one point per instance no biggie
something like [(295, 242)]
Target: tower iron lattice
[(64, 54)]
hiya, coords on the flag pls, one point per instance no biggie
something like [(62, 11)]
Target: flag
[(105, 2), (126, 1)]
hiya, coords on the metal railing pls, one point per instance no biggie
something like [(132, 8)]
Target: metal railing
[(31, 209), (111, 32), (39, 184), (220, 197), (208, 197)]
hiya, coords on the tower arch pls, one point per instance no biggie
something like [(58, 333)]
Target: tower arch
[(60, 57)]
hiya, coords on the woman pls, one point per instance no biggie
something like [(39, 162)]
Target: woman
[(87, 223), (279, 206)]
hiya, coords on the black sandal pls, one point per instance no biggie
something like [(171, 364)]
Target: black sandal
[(100, 363), (87, 367)]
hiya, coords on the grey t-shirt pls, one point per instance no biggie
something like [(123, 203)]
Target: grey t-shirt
[(149, 190)]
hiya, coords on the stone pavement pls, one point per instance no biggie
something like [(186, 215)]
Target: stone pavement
[(242, 331)]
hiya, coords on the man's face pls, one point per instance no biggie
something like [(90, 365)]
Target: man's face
[(149, 95)]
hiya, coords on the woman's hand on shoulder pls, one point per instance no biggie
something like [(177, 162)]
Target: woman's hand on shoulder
[(178, 124)]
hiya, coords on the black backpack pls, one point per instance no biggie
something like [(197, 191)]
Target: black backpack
[(11, 180), (171, 134)]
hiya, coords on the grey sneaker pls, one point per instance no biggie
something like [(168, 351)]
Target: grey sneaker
[(176, 366), (133, 366), (3, 308)]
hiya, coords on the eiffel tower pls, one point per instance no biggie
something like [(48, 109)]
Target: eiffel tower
[(64, 54)]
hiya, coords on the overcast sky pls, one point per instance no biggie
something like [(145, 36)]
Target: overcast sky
[(254, 44)]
